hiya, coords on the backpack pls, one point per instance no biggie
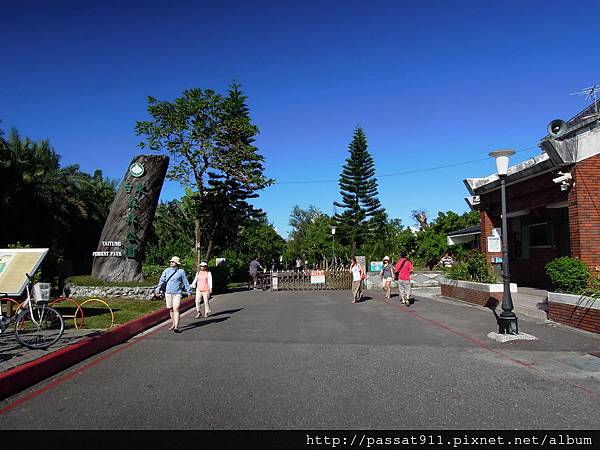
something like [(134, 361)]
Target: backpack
[(160, 293)]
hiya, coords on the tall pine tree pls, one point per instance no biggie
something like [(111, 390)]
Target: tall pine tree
[(361, 209), (227, 206)]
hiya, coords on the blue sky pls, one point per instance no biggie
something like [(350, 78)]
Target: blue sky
[(431, 83)]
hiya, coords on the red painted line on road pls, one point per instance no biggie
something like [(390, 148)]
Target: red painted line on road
[(74, 373), (485, 346)]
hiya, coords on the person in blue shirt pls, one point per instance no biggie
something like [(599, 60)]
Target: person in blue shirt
[(177, 284)]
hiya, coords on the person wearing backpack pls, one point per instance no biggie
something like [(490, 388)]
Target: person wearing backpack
[(172, 284), (404, 268)]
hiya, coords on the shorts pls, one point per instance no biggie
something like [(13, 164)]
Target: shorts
[(388, 279), (173, 300)]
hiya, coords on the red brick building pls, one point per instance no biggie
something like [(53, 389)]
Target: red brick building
[(553, 202)]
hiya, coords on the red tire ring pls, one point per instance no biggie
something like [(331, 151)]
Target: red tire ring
[(11, 300), (73, 316), (112, 315)]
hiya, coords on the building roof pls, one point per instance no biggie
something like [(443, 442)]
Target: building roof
[(571, 147), (475, 229)]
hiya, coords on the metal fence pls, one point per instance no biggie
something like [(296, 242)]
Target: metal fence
[(311, 280)]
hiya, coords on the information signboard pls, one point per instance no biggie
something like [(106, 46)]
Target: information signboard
[(14, 264), (375, 266)]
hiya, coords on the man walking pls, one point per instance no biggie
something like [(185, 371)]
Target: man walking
[(253, 269), (404, 268), (173, 282)]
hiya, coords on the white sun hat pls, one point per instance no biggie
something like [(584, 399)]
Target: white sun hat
[(386, 257), (176, 260)]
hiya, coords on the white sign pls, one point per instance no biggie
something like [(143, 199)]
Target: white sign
[(274, 283), (317, 276), (494, 245)]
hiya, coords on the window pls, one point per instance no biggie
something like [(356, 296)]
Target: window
[(540, 235)]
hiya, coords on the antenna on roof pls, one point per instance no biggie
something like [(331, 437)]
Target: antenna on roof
[(591, 94)]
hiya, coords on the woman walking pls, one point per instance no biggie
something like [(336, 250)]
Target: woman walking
[(203, 284), (173, 283), (387, 275), (357, 276)]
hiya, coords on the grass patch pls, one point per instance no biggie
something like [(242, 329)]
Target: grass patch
[(97, 315)]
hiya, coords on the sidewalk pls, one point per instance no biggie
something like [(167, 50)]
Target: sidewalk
[(13, 354)]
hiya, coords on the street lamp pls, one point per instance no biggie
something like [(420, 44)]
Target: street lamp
[(507, 320), (333, 243)]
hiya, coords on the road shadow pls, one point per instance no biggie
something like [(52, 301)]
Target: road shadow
[(238, 289), (364, 299), (228, 311), (202, 323)]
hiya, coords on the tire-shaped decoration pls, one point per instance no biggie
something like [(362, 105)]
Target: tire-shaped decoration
[(112, 315), (12, 301), (77, 321)]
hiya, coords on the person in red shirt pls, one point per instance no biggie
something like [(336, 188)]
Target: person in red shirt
[(404, 268)]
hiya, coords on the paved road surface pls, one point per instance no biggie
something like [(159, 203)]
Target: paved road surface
[(295, 360)]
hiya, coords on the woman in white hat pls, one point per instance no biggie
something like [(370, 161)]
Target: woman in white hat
[(387, 275), (176, 283), (203, 285)]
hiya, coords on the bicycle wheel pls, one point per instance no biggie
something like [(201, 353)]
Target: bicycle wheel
[(39, 327)]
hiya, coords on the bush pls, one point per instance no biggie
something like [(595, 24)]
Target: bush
[(152, 270), (569, 275), (474, 267)]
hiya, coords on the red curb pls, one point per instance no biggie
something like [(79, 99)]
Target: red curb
[(21, 377)]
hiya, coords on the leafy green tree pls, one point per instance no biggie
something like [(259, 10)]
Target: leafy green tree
[(208, 138), (361, 209), (451, 221), (49, 205), (431, 246)]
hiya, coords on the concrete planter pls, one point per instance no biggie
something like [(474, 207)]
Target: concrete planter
[(575, 310), (483, 294), (417, 280), (145, 293)]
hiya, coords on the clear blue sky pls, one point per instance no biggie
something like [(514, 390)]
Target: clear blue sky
[(431, 83)]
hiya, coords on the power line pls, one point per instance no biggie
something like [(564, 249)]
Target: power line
[(408, 172)]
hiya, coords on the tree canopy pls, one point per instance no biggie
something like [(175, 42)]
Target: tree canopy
[(49, 205)]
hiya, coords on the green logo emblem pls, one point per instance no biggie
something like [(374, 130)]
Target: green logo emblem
[(136, 170)]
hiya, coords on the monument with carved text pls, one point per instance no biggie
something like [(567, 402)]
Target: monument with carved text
[(120, 250)]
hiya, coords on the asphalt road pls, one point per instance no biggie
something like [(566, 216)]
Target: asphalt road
[(313, 360)]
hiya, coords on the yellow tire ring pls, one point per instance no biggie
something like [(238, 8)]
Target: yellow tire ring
[(71, 316), (112, 316)]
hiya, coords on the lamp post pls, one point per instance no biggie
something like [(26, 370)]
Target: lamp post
[(333, 243), (507, 320)]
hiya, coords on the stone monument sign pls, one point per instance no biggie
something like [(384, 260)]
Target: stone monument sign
[(123, 239)]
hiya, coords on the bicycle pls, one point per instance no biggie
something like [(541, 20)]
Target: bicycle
[(263, 281), (37, 326)]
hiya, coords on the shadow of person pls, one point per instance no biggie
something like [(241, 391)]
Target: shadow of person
[(228, 311), (191, 326), (364, 299)]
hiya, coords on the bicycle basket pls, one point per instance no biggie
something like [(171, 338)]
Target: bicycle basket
[(41, 292)]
